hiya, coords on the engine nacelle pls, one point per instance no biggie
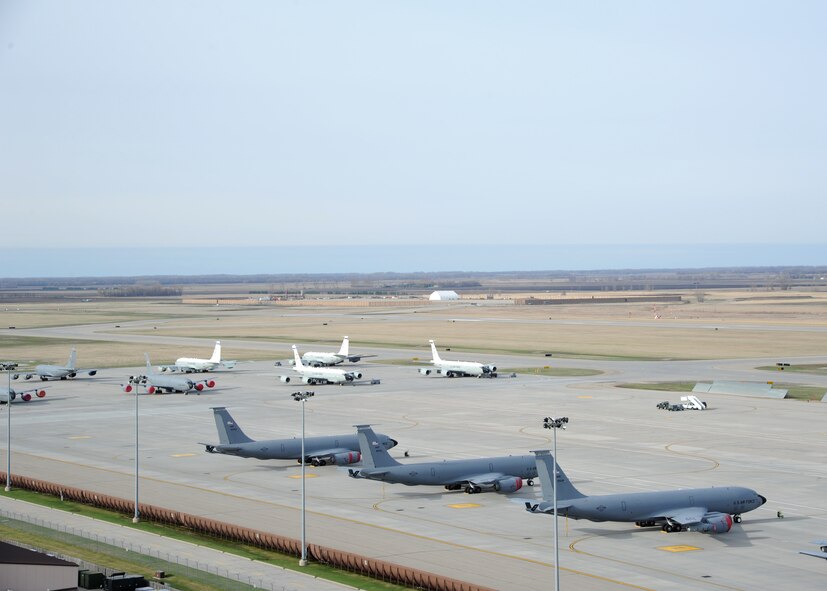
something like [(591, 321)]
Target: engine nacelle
[(199, 386), (210, 383), (93, 372), (28, 376), (15, 376), (714, 523), (151, 389), (489, 368), (41, 393), (425, 371), (73, 375), (284, 379), (126, 388), (508, 485), (26, 397), (343, 459), (307, 380), (356, 375)]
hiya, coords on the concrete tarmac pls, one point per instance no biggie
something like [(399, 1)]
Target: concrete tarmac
[(82, 434)]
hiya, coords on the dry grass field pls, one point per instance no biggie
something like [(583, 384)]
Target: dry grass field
[(720, 324)]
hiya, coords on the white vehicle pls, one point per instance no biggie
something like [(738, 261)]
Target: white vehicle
[(195, 364), (458, 368), (320, 375), (323, 358)]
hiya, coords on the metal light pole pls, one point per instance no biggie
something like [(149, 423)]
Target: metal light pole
[(554, 424), (8, 367), (302, 397), (137, 516)]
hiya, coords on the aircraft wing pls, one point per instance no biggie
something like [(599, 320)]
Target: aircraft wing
[(822, 544), (228, 364), (357, 358), (172, 368), (686, 515), (485, 480), (322, 453)]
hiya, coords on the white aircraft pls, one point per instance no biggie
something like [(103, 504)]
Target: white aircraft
[(70, 370), (320, 375), (458, 368), (9, 394), (195, 364), (323, 358)]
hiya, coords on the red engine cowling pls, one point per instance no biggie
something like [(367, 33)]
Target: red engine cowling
[(508, 485), (343, 459), (211, 384), (151, 389), (199, 386), (41, 393), (715, 523), (26, 397), (126, 388)]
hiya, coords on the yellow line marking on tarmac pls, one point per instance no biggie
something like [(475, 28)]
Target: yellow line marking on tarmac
[(81, 437), (585, 396), (182, 455), (306, 476), (678, 548), (465, 505)]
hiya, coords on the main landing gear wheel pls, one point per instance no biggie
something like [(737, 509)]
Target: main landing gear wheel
[(530, 482), (736, 518)]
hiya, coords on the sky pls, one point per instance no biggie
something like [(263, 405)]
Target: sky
[(380, 127)]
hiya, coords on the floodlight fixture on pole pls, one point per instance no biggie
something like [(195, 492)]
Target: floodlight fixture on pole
[(8, 367), (302, 397), (555, 423)]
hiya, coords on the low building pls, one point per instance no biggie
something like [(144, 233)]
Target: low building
[(444, 296), (22, 569)]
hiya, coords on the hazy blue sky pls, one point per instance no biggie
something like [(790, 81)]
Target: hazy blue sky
[(188, 124)]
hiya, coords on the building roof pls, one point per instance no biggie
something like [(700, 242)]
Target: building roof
[(11, 554)]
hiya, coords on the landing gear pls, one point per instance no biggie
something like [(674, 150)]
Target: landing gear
[(450, 374), (530, 482), (736, 518), (472, 489), (669, 528)]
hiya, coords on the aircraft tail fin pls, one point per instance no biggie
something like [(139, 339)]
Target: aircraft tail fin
[(216, 354), (73, 359), (434, 353), (343, 352), (545, 468), (297, 358), (228, 431), (374, 454)]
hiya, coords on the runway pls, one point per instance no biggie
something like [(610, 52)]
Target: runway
[(82, 434)]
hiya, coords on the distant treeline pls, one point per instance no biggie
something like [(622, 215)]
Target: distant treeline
[(138, 291)]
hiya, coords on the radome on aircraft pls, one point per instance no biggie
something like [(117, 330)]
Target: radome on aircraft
[(500, 474), (320, 375), (325, 358), (60, 372), (708, 510), (458, 368), (160, 383), (319, 450), (10, 394), (196, 364)]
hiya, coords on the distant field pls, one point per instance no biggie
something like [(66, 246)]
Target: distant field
[(725, 325)]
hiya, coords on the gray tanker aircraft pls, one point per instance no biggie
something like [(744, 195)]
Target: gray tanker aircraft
[(10, 394), (60, 372), (323, 358), (155, 382), (452, 369), (501, 474), (708, 510), (328, 449)]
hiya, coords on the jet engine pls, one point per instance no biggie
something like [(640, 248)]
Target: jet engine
[(210, 383), (126, 388), (151, 390), (28, 376), (489, 368), (199, 386), (343, 459), (285, 379), (508, 485), (425, 371), (26, 397), (93, 372), (714, 523), (41, 393)]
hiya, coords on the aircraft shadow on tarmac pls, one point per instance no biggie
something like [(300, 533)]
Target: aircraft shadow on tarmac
[(732, 539)]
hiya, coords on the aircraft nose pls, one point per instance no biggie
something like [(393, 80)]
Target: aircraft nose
[(393, 441), (763, 499)]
